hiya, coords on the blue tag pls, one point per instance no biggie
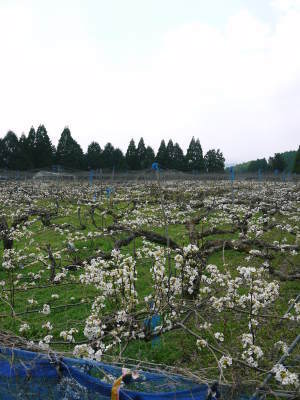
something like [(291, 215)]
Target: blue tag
[(152, 323), (259, 174), (108, 192), (155, 166), (231, 170), (91, 176)]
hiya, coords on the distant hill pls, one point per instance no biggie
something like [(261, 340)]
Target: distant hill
[(264, 165)]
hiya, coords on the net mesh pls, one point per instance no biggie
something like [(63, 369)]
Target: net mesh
[(30, 375)]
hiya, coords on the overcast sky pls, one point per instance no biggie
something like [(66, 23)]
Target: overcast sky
[(227, 72)]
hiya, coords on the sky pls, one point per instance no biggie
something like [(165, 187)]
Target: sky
[(226, 72)]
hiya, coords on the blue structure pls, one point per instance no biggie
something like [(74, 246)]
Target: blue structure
[(231, 170), (152, 323), (155, 166), (155, 321), (109, 191), (91, 176), (29, 375), (259, 174)]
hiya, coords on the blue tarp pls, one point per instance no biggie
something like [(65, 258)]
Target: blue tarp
[(28, 375)]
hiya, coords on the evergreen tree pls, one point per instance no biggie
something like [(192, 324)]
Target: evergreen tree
[(43, 149), (25, 160), (36, 151), (2, 161), (170, 154), (214, 161), (296, 167), (289, 159), (93, 156), (141, 154), (31, 145), (178, 158), (69, 153), (190, 155), (162, 156), (194, 156), (108, 156), (277, 162), (199, 163), (259, 164), (132, 156), (149, 157), (118, 160), (10, 151)]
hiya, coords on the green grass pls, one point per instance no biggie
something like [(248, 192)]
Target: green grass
[(173, 348)]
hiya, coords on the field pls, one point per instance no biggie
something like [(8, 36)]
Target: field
[(200, 277)]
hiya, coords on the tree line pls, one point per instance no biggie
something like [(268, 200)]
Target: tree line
[(288, 161), (36, 151)]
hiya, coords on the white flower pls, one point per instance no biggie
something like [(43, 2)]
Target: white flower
[(178, 258), (47, 339), (98, 355), (24, 327), (46, 309), (68, 335), (284, 376), (219, 336), (201, 343), (225, 361), (47, 326), (83, 350), (247, 339), (43, 346), (32, 302)]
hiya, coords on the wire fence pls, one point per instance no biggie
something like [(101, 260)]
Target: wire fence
[(48, 174)]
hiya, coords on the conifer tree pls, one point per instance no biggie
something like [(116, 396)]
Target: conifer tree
[(178, 158), (214, 161), (258, 165), (2, 161), (194, 156), (277, 162), (25, 160), (296, 167), (93, 156), (10, 150), (141, 154), (161, 156), (170, 154), (31, 144), (43, 150), (149, 157), (190, 156), (108, 156), (69, 153), (36, 151), (132, 156), (118, 159), (199, 162)]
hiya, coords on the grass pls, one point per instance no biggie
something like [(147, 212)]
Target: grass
[(173, 348)]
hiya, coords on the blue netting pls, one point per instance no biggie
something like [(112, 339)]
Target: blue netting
[(28, 375)]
